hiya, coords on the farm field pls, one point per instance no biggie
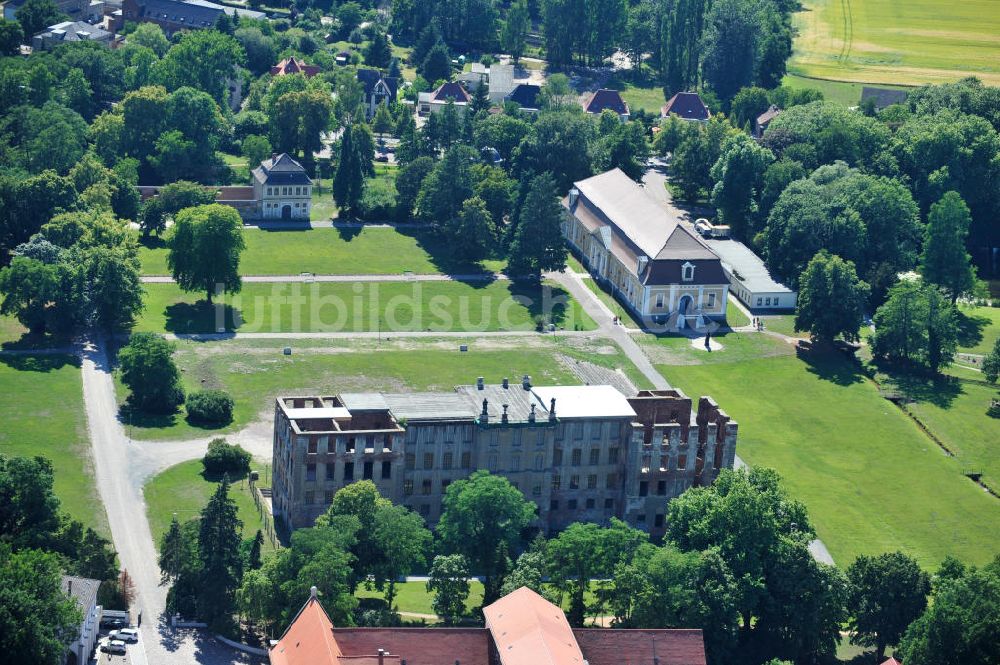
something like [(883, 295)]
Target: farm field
[(184, 490), (42, 414), (332, 251), (255, 373), (887, 41), (872, 481), (357, 307)]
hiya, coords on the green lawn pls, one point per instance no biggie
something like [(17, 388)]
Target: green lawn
[(888, 41), (651, 99), (414, 597), (980, 328), (611, 303), (784, 324), (841, 92), (736, 347), (42, 414), (873, 482), (363, 251), (256, 373), (356, 307), (323, 206), (735, 316), (182, 489)]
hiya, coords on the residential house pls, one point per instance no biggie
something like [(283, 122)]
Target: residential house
[(282, 189), (525, 95), (70, 31), (176, 15), (882, 97), (435, 101), (763, 121), (293, 65), (84, 591), (604, 99), (749, 278), (522, 628), (657, 266), (686, 106), (378, 90), (498, 78)]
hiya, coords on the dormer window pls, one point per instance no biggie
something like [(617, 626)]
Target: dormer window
[(687, 272)]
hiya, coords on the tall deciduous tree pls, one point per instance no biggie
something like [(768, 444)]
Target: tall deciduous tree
[(449, 582), (480, 513), (886, 594), (916, 324), (402, 541), (738, 176), (205, 245), (38, 617), (148, 370), (729, 45), (537, 244), (991, 364), (363, 501), (945, 261), (514, 32), (831, 299), (203, 59)]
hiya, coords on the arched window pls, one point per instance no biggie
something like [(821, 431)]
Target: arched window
[(687, 272)]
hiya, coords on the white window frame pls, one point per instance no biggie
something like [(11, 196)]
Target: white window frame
[(687, 272)]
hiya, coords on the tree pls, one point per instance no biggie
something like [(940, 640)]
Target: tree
[(29, 288), (408, 183), (218, 553), (151, 36), (114, 289), (254, 560), (382, 122), (480, 98), (945, 261), (696, 154), (349, 15), (747, 105), (537, 244), (36, 15), (560, 145), (403, 541), (378, 53), (479, 514), (176, 551), (446, 188), (831, 299), (437, 65), (449, 582), (256, 149), (224, 458), (886, 594), (729, 46), (297, 120), (148, 371), (514, 32), (961, 625), (173, 198), (11, 36), (205, 245), (349, 179), (202, 59), (991, 364), (528, 571), (641, 33), (29, 515), (916, 324), (363, 502), (738, 176), (471, 233), (38, 617), (625, 147), (260, 49)]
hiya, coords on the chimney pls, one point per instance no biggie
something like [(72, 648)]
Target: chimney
[(274, 156), (526, 382), (479, 383), (574, 194), (484, 417), (313, 592), (381, 656), (69, 587), (552, 410), (506, 383), (504, 417), (531, 416)]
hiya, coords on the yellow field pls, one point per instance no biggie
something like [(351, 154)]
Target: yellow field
[(905, 42)]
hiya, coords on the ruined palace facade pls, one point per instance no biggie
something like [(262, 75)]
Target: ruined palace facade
[(581, 453)]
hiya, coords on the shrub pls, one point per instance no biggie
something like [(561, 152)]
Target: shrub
[(214, 407), (378, 202), (223, 457), (148, 370)]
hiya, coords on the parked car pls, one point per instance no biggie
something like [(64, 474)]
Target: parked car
[(113, 646), (130, 635), (381, 157)]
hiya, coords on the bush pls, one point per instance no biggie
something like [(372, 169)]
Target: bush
[(223, 457), (149, 372), (213, 407), (378, 202)]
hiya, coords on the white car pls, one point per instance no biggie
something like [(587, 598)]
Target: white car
[(114, 646), (130, 635)]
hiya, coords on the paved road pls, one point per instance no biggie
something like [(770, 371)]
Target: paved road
[(121, 493)]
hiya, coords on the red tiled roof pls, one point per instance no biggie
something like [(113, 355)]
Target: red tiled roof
[(309, 639), (529, 630), (602, 646), (417, 646), (687, 105), (606, 99), (454, 91), (891, 661), (294, 66)]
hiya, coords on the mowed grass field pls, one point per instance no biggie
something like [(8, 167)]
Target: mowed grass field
[(182, 489), (872, 481), (388, 307), (332, 251), (42, 414), (889, 41), (256, 373)]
